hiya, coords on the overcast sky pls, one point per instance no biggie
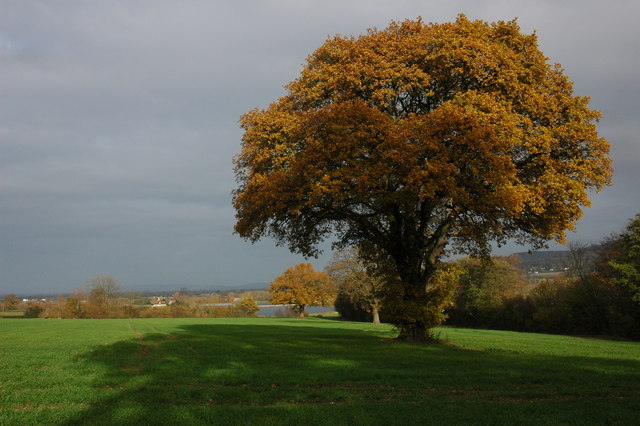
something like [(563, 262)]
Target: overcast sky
[(119, 121)]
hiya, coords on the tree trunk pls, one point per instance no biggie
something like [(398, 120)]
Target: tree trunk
[(376, 315), (413, 325), (301, 312), (417, 332), (413, 321), (415, 262)]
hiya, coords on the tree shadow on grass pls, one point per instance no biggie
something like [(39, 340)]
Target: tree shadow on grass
[(293, 374)]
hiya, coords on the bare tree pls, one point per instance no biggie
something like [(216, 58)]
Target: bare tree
[(102, 289), (581, 258), (354, 279)]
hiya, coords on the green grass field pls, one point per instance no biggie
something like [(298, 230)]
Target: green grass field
[(314, 371)]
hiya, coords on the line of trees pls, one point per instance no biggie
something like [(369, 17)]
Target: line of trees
[(601, 295), (100, 297), (79, 307)]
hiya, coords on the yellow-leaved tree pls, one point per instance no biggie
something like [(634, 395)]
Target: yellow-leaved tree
[(302, 286), (417, 138)]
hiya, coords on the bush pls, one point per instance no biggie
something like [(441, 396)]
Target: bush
[(348, 310), (482, 292), (33, 310), (128, 311), (246, 307), (288, 312)]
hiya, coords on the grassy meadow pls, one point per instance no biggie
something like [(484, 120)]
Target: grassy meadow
[(315, 371)]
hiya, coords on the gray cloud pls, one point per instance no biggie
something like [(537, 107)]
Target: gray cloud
[(119, 119)]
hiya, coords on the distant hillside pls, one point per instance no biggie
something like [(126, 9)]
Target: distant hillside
[(545, 261), (554, 261), (169, 289)]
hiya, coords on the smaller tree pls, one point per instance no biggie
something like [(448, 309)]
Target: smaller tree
[(247, 306), (625, 268), (73, 308), (618, 265), (179, 298), (483, 287), (354, 279), (303, 286), (102, 290), (10, 302), (106, 282), (582, 259)]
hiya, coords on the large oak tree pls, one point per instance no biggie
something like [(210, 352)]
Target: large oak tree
[(419, 137)]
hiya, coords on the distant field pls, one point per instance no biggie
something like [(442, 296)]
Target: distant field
[(299, 372), (12, 314), (536, 278)]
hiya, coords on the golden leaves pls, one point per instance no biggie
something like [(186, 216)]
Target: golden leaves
[(302, 285), (466, 116)]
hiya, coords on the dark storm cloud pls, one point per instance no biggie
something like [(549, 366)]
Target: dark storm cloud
[(119, 120)]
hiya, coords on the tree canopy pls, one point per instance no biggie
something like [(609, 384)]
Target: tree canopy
[(10, 302), (416, 137), (624, 266)]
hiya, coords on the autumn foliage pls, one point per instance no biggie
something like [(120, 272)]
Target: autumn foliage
[(417, 138), (10, 302), (302, 286)]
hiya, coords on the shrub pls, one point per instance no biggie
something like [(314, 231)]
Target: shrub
[(33, 310), (246, 307), (349, 310), (287, 312)]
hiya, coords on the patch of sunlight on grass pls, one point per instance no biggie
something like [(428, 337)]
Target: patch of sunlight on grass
[(336, 363), (231, 369)]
